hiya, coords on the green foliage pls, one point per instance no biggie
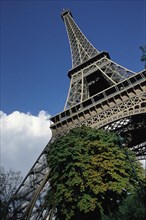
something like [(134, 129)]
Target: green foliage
[(90, 174), (132, 208)]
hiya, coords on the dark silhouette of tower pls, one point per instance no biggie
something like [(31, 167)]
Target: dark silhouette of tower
[(102, 94)]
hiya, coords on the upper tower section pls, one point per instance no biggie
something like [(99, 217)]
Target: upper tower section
[(81, 49)]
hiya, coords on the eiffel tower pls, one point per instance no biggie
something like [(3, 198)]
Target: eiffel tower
[(102, 94)]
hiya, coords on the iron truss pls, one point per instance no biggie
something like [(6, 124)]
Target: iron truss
[(81, 49), (102, 94), (80, 82)]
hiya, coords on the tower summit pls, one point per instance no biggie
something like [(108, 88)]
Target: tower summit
[(81, 49)]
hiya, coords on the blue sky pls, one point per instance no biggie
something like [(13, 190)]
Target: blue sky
[(35, 53)]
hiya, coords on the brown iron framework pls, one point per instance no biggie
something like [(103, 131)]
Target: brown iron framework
[(102, 94)]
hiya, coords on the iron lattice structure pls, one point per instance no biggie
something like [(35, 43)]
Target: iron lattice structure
[(102, 94)]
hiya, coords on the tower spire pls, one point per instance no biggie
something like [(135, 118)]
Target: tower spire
[(81, 49)]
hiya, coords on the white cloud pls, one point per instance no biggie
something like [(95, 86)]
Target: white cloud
[(23, 137)]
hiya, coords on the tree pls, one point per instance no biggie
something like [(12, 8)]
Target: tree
[(89, 174), (132, 208), (9, 181)]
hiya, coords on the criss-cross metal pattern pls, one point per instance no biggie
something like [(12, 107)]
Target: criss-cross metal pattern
[(81, 49), (102, 94), (79, 86)]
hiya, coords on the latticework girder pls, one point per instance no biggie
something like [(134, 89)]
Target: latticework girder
[(87, 81), (122, 100), (81, 49)]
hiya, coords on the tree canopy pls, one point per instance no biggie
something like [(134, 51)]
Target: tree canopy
[(90, 174), (9, 181)]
